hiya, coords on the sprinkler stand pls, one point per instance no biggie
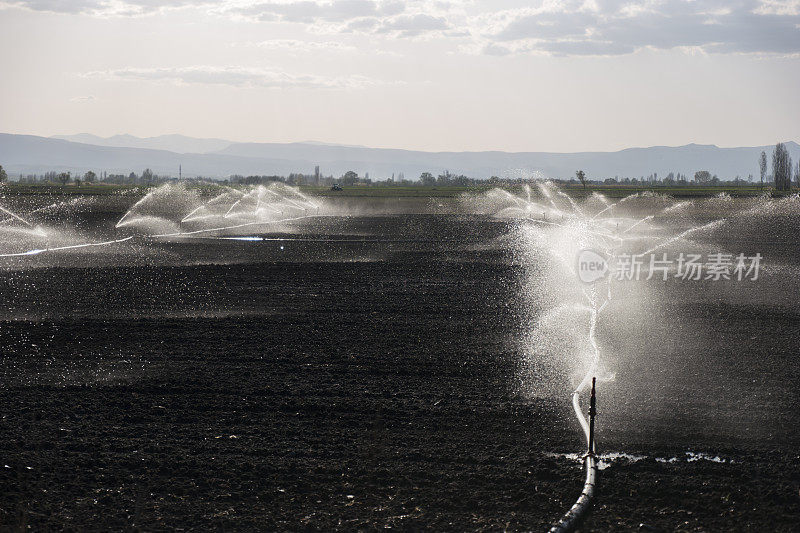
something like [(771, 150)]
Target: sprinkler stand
[(578, 512)]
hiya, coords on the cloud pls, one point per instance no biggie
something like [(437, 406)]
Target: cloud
[(393, 18), (614, 27), (234, 77), (779, 7), (105, 8), (88, 98), (555, 27), (310, 11), (412, 25), (295, 45), (56, 6)]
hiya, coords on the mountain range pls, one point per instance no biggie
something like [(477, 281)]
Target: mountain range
[(180, 144), (218, 158)]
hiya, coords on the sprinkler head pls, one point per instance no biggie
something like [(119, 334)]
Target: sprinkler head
[(592, 414)]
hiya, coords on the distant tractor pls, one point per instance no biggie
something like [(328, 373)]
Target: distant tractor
[(336, 187)]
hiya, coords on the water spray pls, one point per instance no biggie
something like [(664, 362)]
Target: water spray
[(15, 216), (598, 232), (231, 210), (68, 247)]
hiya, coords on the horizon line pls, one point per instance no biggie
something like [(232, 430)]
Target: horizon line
[(359, 146)]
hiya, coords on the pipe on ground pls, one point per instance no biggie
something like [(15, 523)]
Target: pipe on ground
[(575, 515), (578, 511)]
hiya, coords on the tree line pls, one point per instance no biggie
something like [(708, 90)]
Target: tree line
[(782, 176), (147, 177)]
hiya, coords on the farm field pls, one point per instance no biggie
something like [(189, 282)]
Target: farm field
[(363, 372)]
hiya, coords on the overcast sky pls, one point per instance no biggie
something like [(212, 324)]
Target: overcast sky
[(420, 74)]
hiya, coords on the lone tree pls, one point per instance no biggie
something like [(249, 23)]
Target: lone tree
[(703, 176), (581, 175), (3, 175), (427, 179), (89, 177), (762, 166), (64, 178), (796, 175), (349, 178), (782, 168)]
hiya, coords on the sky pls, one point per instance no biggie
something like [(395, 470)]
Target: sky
[(564, 76)]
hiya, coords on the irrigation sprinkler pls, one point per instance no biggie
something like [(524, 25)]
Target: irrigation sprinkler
[(592, 413), (578, 511)]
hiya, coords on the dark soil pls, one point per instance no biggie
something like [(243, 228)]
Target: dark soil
[(298, 390)]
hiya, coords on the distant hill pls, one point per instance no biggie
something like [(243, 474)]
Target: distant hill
[(172, 143), (32, 154), (632, 162)]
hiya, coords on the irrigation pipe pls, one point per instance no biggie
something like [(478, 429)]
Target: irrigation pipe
[(570, 521)]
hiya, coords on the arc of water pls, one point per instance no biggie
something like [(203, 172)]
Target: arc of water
[(70, 247), (223, 228), (615, 204), (233, 190), (192, 219), (282, 198), (645, 219), (514, 198), (15, 216), (710, 225), (587, 379), (602, 198), (546, 193), (295, 203), (591, 371), (237, 202), (134, 206), (575, 207), (195, 210), (306, 198), (53, 206), (604, 210), (675, 207), (590, 232)]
